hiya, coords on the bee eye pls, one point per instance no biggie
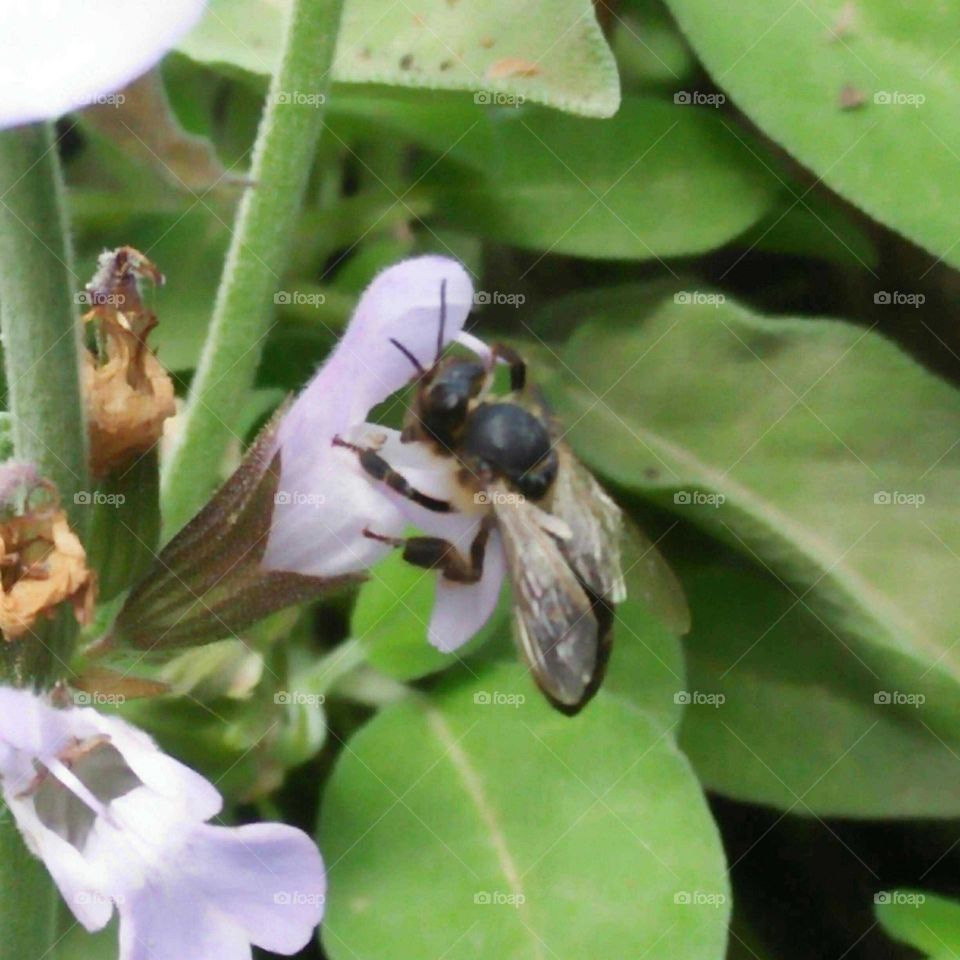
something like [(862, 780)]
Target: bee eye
[(442, 398)]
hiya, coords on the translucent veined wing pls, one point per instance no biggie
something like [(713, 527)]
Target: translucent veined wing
[(595, 549), (561, 633)]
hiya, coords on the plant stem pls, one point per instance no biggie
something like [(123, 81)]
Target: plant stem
[(28, 901), (265, 224), (41, 339), (41, 336)]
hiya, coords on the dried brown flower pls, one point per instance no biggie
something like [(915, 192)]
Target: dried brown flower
[(128, 392), (42, 564)]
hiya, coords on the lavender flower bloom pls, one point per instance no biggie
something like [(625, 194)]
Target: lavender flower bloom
[(325, 501), (120, 824), (60, 55)]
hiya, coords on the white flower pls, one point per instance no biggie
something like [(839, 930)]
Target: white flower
[(120, 824), (61, 55), (326, 500)]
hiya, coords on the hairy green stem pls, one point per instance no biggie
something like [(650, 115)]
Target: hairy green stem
[(41, 341), (265, 224), (38, 314)]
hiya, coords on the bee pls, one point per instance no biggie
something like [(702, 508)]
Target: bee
[(561, 531)]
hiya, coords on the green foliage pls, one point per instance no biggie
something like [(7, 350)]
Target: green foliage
[(927, 922), (652, 182), (507, 818), (800, 727), (894, 156), (550, 53), (666, 261), (870, 537)]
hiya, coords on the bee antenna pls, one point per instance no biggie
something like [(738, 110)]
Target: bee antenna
[(416, 363), (443, 316)]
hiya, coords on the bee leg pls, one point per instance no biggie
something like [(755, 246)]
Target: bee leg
[(379, 469), (518, 367), (435, 553)]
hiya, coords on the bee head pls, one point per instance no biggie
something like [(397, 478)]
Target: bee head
[(443, 400)]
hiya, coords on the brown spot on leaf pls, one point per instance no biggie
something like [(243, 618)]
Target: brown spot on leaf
[(512, 67), (850, 97)]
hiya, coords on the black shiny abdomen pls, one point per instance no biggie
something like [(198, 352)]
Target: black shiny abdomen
[(514, 444)]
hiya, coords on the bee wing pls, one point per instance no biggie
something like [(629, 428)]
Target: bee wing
[(594, 550), (557, 631)]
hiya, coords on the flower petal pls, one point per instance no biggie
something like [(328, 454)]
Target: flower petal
[(82, 887), (267, 877), (64, 55), (320, 511), (324, 500), (460, 610), (193, 794), (161, 922)]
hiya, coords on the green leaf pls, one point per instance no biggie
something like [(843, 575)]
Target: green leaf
[(649, 48), (125, 524), (785, 66), (553, 54), (815, 446), (6, 436), (924, 920), (480, 821), (798, 726), (655, 181), (76, 944), (818, 230)]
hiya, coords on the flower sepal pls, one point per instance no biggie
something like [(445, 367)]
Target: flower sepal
[(208, 582)]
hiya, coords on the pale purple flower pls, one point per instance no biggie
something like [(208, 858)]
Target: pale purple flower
[(120, 824), (325, 500), (61, 55)]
